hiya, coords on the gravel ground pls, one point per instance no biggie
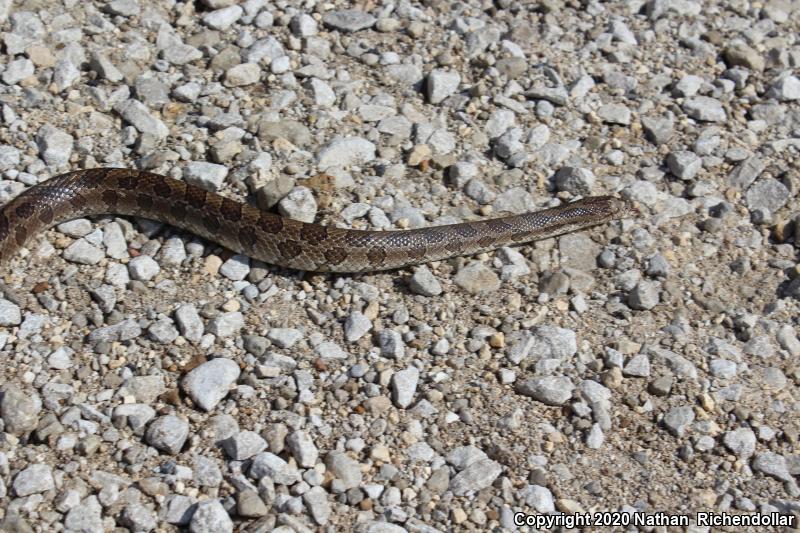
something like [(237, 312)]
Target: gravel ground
[(152, 381)]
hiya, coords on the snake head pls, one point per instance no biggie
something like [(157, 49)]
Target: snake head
[(609, 207), (625, 208)]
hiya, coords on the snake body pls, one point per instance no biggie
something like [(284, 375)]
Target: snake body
[(272, 238)]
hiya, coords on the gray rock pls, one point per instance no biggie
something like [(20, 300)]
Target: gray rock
[(210, 382), (136, 415), (774, 465), (242, 74), (168, 433), (356, 326), (180, 54), (478, 475), (593, 392), (539, 498), (788, 340), (85, 517), (514, 264), (550, 390), (188, 92), (138, 517), (578, 251), (684, 164), (404, 386), (773, 378), (162, 331), (391, 344), (746, 172), (236, 268), (278, 470), (767, 194), (226, 324), (500, 121), (657, 266), (206, 471), (688, 85), (722, 368), (250, 505), (575, 180), (222, 19), (705, 108), (105, 68), (84, 253), (554, 95), (9, 157), (291, 130), (760, 346), (114, 241), (60, 359), (284, 337), (125, 8), (441, 84), (479, 191), (137, 115), (477, 278), (121, 331), (595, 437), (330, 350), (209, 176), (423, 282), (178, 510), (741, 442), (244, 445), (65, 74), (19, 409), (17, 70), (645, 295), (144, 389), (348, 20), (638, 366), (210, 517), (34, 479), (460, 173), (739, 54), (375, 112), (678, 419), (676, 362), (463, 456), (316, 500), (303, 25), (55, 145), (615, 114), (303, 448), (345, 469), (143, 268), (346, 152), (189, 322), (10, 314), (786, 89), (322, 93), (546, 342)]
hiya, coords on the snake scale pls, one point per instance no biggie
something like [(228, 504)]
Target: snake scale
[(273, 238)]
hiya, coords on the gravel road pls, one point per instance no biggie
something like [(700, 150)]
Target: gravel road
[(153, 381)]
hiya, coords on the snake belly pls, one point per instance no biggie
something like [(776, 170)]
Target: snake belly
[(272, 238)]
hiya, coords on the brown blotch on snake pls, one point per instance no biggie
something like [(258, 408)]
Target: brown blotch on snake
[(313, 233), (290, 249), (231, 210), (274, 239), (335, 256), (144, 201)]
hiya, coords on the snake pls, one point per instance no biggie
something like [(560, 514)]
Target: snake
[(275, 239)]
